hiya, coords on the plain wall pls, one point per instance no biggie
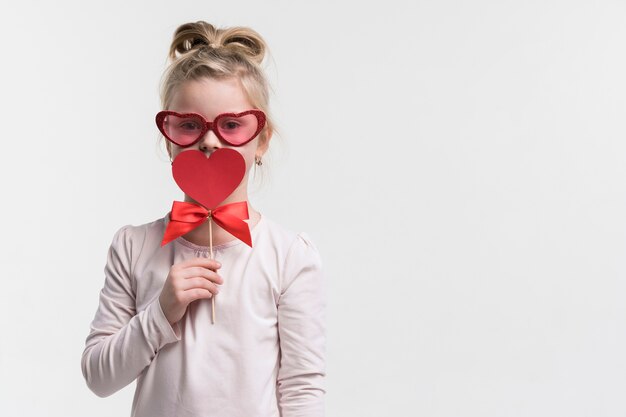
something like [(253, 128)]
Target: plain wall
[(460, 166)]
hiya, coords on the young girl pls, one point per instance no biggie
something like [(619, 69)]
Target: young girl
[(265, 354)]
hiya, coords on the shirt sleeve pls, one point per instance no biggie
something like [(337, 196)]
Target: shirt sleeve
[(302, 332), (122, 341)]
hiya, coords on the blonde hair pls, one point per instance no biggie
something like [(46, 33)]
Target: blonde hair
[(201, 50)]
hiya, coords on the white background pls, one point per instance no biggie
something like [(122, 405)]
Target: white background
[(460, 166)]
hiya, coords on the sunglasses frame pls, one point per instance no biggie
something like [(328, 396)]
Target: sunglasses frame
[(206, 126)]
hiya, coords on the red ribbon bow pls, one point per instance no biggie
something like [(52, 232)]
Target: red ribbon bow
[(185, 217)]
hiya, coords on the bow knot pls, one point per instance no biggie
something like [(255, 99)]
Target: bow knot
[(185, 217)]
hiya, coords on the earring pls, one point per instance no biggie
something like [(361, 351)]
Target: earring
[(257, 160)]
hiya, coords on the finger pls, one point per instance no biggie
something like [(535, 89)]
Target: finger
[(196, 294), (196, 271), (192, 283)]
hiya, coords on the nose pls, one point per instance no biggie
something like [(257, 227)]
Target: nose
[(209, 141)]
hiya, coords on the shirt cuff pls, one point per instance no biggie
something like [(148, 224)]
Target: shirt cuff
[(169, 333)]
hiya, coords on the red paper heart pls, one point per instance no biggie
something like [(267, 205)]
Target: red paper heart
[(209, 180)]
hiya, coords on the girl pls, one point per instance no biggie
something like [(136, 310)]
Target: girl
[(265, 354)]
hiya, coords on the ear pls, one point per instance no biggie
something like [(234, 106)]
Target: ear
[(169, 148), (265, 144)]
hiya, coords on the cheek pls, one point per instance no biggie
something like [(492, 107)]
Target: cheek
[(244, 154), (247, 153)]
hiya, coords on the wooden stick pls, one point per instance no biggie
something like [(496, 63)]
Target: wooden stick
[(211, 254)]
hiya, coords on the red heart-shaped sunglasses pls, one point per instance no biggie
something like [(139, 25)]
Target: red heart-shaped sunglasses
[(186, 129)]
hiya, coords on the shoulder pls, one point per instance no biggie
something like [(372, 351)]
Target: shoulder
[(293, 243), (131, 238), (298, 252), (303, 249)]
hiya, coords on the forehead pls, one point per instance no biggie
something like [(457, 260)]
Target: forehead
[(210, 97)]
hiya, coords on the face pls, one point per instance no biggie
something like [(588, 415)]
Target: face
[(210, 97)]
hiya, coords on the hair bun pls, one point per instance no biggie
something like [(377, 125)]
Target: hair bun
[(247, 41), (199, 35)]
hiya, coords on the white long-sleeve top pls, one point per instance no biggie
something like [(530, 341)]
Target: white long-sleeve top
[(264, 356)]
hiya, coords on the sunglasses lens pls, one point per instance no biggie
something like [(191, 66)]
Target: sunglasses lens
[(182, 130), (237, 130)]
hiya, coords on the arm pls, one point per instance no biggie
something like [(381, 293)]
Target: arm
[(121, 342), (302, 331)]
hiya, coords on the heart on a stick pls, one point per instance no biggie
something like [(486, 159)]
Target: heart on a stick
[(209, 180)]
